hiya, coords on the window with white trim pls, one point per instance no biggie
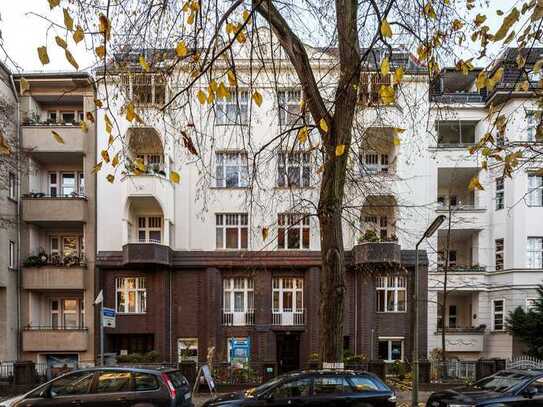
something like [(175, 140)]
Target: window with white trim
[(287, 294), (372, 163), (391, 293), (145, 89), (233, 109), (130, 295), (294, 169), (500, 193), (535, 252), (232, 231), (499, 254), (232, 170), (289, 106), (390, 349), (498, 312), (535, 190), (377, 223), (533, 119), (293, 231), (12, 187), (238, 294), (531, 304), (150, 229), (12, 255), (154, 163), (66, 313)]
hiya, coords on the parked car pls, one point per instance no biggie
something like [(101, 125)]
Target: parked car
[(110, 387), (314, 388), (506, 388)]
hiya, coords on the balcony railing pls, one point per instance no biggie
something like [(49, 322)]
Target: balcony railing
[(238, 318), (462, 269), (463, 97), (145, 241), (288, 317), (460, 208), (48, 339)]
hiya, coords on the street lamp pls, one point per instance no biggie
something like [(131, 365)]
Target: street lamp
[(428, 233)]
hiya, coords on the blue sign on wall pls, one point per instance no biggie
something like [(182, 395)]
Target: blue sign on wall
[(240, 350)]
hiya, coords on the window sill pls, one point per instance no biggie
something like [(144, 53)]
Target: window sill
[(230, 188)]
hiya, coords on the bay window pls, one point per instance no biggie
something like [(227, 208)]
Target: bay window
[(130, 295), (391, 293), (150, 229)]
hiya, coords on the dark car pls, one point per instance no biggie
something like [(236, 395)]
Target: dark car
[(110, 387), (314, 388), (506, 388)]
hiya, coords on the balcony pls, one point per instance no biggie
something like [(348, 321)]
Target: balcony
[(50, 277), (150, 186), (42, 210), (238, 318), (288, 317), (376, 252), (43, 339), (38, 139), (147, 252)]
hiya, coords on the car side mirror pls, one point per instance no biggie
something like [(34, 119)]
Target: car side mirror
[(529, 392)]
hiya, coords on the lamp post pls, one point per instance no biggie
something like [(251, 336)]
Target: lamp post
[(428, 233)]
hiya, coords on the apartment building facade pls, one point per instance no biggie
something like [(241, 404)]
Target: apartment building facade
[(494, 244), (58, 218), (226, 264), (9, 201)]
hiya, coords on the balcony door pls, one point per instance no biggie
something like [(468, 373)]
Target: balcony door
[(288, 352), (66, 313)]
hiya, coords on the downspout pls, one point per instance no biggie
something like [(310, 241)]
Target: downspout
[(18, 222), (356, 313)]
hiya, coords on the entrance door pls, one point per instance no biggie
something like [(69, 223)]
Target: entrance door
[(288, 352)]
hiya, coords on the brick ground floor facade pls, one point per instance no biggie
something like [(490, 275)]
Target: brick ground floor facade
[(258, 307)]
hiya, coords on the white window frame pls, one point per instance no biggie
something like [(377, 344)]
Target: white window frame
[(290, 221), (12, 187), (297, 162), (139, 290), (12, 255), (391, 339), (399, 284), (373, 163), (61, 312), (535, 190), (499, 252), (534, 252), (377, 223), (229, 112), (233, 288), (295, 287), (530, 303), (149, 226), (148, 80), (235, 161), (494, 313), (224, 221), (500, 193), (288, 101), (531, 129)]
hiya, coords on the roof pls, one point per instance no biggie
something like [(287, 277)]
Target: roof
[(53, 75)]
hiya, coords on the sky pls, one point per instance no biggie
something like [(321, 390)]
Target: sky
[(23, 33)]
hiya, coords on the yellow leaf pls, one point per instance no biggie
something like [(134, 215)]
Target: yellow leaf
[(181, 49), (53, 3), (24, 85), (231, 78), (57, 137), (79, 34), (479, 19), (71, 59), (109, 126), (105, 155), (97, 168), (143, 63), (387, 94), (475, 184), (100, 51), (5, 149), (398, 75), (340, 150), (103, 26), (222, 92), (257, 97), (190, 19), (246, 14), (98, 103), (202, 97), (303, 134), (385, 66), (175, 177), (84, 127), (386, 30), (186, 7), (140, 166), (524, 86), (68, 20), (323, 125), (213, 85), (396, 139), (537, 66), (265, 233), (130, 113), (90, 117), (498, 75), (115, 160), (110, 140), (507, 23), (110, 178), (210, 97), (42, 54), (480, 82), (429, 10), (60, 42), (241, 37)]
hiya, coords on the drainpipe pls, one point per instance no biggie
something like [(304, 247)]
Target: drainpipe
[(170, 315), (18, 221), (355, 313)]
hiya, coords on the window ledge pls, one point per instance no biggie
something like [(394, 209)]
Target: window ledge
[(230, 188)]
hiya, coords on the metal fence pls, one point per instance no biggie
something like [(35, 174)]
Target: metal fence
[(524, 362), (454, 370)]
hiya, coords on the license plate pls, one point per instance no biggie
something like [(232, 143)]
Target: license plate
[(187, 395)]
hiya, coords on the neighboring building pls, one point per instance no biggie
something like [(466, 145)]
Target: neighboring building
[(188, 267), (9, 201), (58, 218), (496, 244)]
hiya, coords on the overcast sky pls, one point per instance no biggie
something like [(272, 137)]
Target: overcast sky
[(23, 33)]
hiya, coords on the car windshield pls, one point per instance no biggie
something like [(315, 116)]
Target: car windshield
[(501, 382), (255, 391)]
